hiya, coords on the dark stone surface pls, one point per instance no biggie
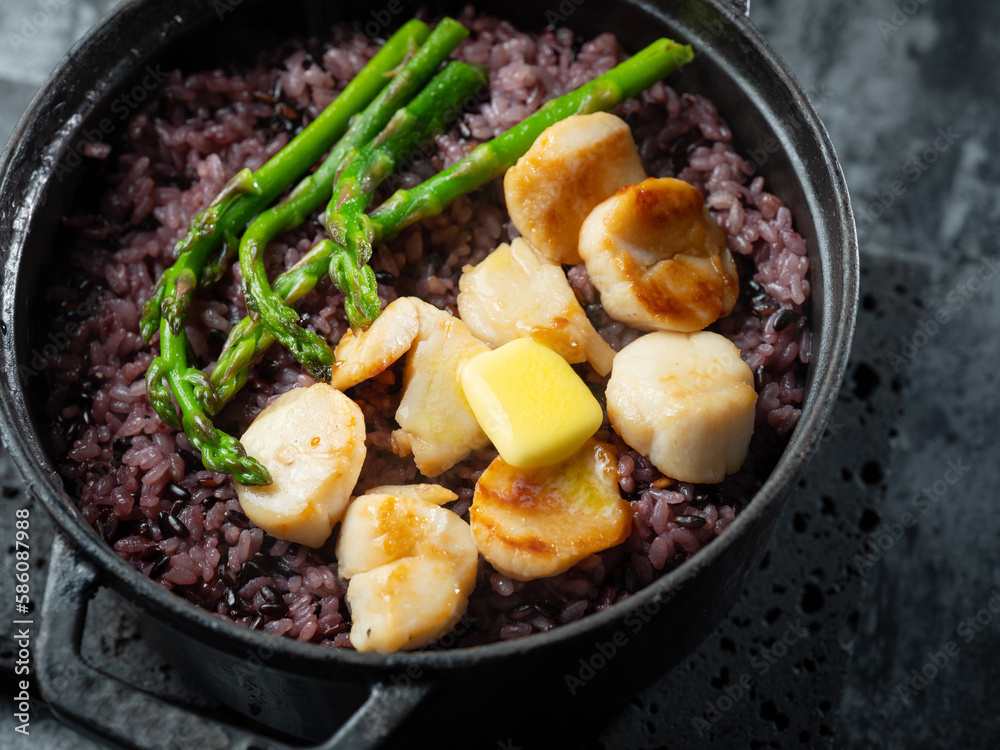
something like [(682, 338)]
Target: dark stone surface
[(888, 546)]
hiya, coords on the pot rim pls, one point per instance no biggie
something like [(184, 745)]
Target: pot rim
[(21, 440)]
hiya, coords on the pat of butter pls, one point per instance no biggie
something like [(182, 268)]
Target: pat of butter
[(531, 404)]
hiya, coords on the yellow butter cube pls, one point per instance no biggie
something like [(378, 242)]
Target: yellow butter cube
[(531, 404)]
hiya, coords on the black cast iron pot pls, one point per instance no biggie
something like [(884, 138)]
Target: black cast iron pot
[(343, 697)]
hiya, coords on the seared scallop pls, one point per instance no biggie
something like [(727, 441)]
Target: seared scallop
[(533, 523), (312, 441), (436, 423), (515, 292), (432, 493), (685, 400), (365, 354), (411, 566), (570, 168), (658, 258)]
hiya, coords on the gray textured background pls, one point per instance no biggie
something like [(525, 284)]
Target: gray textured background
[(908, 91)]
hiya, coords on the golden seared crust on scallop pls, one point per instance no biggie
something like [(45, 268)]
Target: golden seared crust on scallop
[(571, 167), (658, 258), (378, 529), (534, 523), (515, 292), (685, 400), (312, 441), (406, 604), (411, 566), (366, 354)]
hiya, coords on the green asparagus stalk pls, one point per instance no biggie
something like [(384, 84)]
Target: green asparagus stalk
[(213, 230), (248, 192), (309, 348), (250, 339), (219, 451), (346, 220)]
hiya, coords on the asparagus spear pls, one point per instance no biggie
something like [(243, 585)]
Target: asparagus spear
[(250, 339), (346, 221), (314, 190), (213, 229), (219, 451), (248, 192)]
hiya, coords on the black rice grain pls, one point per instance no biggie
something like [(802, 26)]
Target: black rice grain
[(784, 319), (273, 609), (159, 567), (237, 518), (690, 522)]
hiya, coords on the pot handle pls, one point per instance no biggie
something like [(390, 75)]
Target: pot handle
[(82, 695)]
